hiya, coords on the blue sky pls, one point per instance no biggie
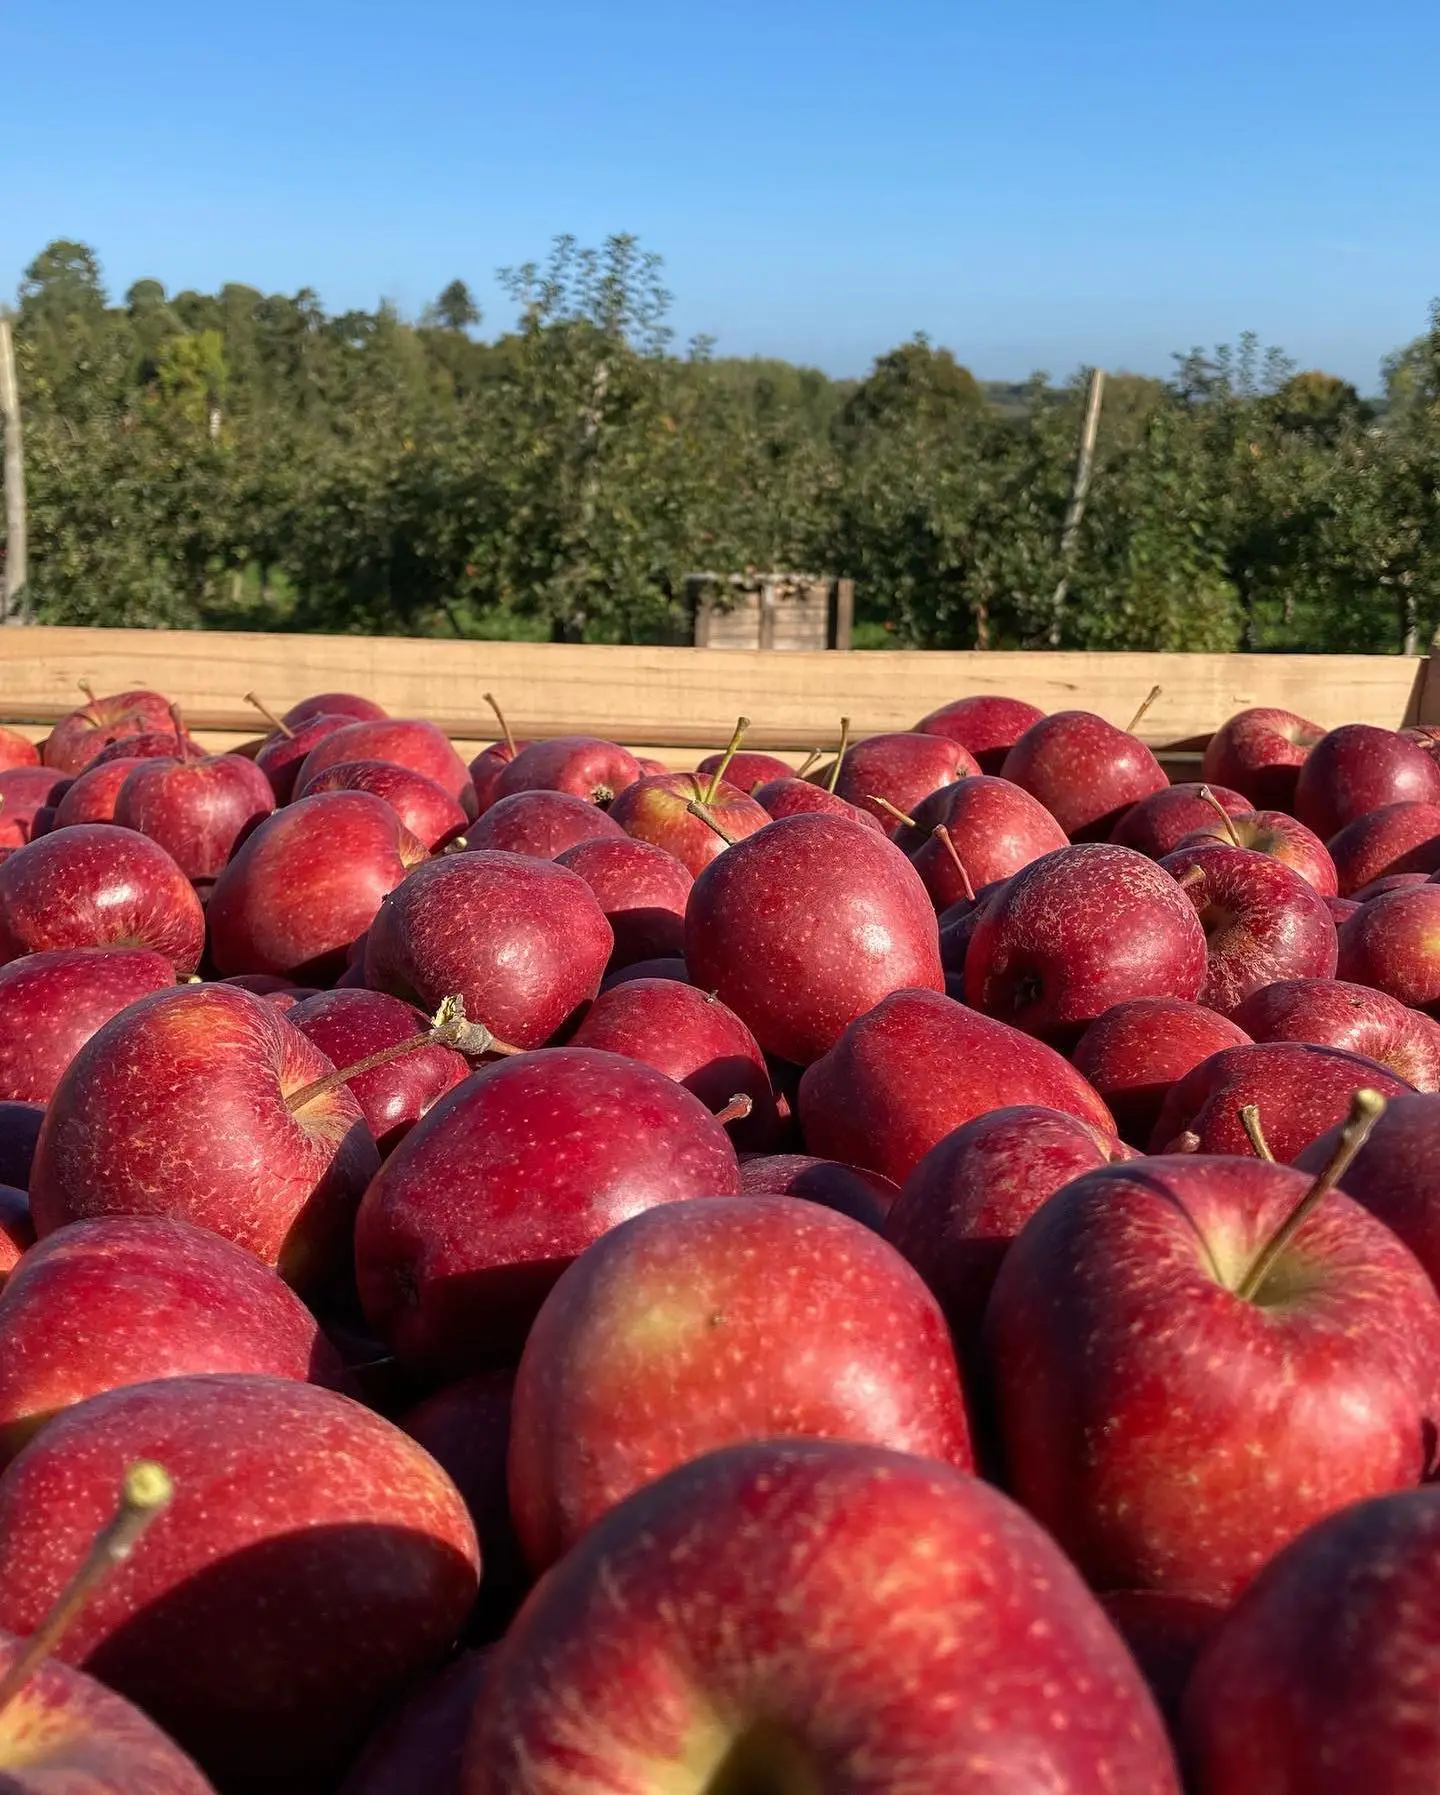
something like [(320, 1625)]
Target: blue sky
[(1034, 183)]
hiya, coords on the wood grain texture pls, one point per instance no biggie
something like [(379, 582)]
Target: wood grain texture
[(686, 699)]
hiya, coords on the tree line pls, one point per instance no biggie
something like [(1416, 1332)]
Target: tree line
[(250, 460)]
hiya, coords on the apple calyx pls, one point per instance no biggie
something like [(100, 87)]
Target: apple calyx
[(1250, 1122), (731, 750), (489, 698), (145, 1493), (891, 809), (947, 841), (1139, 716), (278, 724), (449, 1027), (1366, 1109), (711, 821), (1226, 822), (835, 766), (736, 1110)]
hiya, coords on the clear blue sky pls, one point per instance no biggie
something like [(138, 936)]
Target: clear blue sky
[(1036, 183)]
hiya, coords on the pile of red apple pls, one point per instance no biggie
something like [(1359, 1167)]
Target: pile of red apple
[(916, 1279)]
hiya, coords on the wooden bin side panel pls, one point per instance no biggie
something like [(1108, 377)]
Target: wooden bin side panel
[(687, 696)]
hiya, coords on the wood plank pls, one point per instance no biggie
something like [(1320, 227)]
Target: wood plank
[(686, 697)]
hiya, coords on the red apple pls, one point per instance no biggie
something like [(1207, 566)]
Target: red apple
[(987, 725), (664, 966), (486, 768), (542, 824), (1394, 1174), (996, 830), (333, 704), (283, 752), (465, 1427), (17, 750), (803, 1615), (1358, 768), (657, 809), (421, 1745), (1261, 921), (522, 941), (692, 1037), (1316, 1681), (306, 883), (1391, 943), (919, 1065), (1332, 1013), (1260, 752), (864, 1196), (348, 1026), (1085, 771), (312, 1562), (129, 1299), (91, 797), (98, 886), (24, 793), (1077, 931), (1274, 833), (1397, 838), (51, 1003), (155, 744), (971, 1194), (581, 764), (1299, 1090), (1206, 1420), (426, 809), (177, 1107), (795, 797), (807, 925), (407, 742), (745, 770), (77, 738), (902, 769), (196, 809), (64, 1733), (642, 892), (1135, 1051), (631, 1366), (484, 1203), (1157, 825)]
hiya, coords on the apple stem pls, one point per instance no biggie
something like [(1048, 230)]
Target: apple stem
[(457, 846), (1139, 716), (1223, 814), (732, 749), (449, 1027), (278, 724), (834, 778), (1186, 1142), (711, 821), (736, 1110), (1191, 876), (809, 761), (1250, 1122), (177, 723), (947, 841), (1366, 1109), (489, 698), (88, 690), (145, 1493), (891, 809)]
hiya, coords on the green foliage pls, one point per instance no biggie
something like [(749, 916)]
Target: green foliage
[(251, 459)]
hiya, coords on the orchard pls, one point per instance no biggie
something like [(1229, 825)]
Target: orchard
[(916, 1276)]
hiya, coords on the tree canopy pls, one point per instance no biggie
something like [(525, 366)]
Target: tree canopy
[(254, 460)]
